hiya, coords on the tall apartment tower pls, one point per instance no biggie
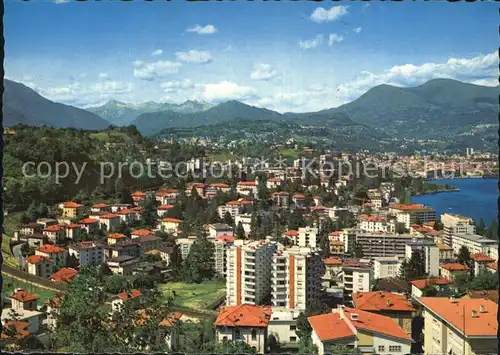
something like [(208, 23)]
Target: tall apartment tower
[(295, 277), (454, 224), (248, 272)]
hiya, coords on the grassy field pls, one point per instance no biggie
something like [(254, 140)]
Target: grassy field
[(290, 153), (11, 223), (10, 284), (194, 296)]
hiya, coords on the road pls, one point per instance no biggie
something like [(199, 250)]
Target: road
[(16, 251)]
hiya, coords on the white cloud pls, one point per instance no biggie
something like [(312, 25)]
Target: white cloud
[(103, 75), (61, 1), (321, 14), (334, 38), (263, 72), (138, 63), (157, 52), (203, 30), (358, 29), (224, 91), (155, 70), (312, 43), (194, 56), (171, 86), (481, 70), (110, 87)]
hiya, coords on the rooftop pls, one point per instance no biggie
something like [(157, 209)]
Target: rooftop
[(50, 249), (381, 301), (23, 296), (422, 283), (65, 274), (244, 316)]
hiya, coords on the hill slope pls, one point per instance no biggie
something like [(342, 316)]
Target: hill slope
[(24, 105), (121, 114)]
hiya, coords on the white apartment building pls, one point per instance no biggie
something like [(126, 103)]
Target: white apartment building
[(476, 244), (185, 245), (377, 244), (217, 229), (409, 214), (248, 278), (295, 277), (430, 252), (375, 197), (234, 208), (454, 224), (87, 253), (308, 237), (386, 267), (357, 276), (222, 244), (375, 224), (282, 325), (459, 326)]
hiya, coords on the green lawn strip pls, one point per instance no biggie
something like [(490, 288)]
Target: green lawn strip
[(10, 284), (194, 296)]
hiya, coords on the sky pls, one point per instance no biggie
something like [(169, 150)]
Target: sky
[(285, 56)]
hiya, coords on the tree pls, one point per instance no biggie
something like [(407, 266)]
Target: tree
[(485, 281), (438, 225), (464, 256), (324, 244), (341, 349), (313, 308), (404, 271), (296, 220), (200, 263), (481, 227), (358, 250), (417, 264), (254, 226), (115, 284), (233, 347), (492, 230), (148, 213), (228, 219), (240, 231), (400, 228)]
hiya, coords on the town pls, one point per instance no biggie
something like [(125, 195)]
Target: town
[(277, 259)]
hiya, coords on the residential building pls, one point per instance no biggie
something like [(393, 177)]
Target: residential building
[(25, 305), (246, 188), (475, 243), (445, 252), (87, 253), (392, 285), (52, 311), (248, 279), (295, 277), (459, 326), (385, 267), (491, 295), (274, 183), (162, 210), (110, 221), (164, 253), (283, 325), (430, 253), (100, 207), (72, 210), (122, 265), (57, 254), (454, 224), (235, 208), (39, 266), (244, 322), (370, 223), (450, 271), (397, 307), (117, 301), (281, 199), (418, 286), (409, 214), (166, 197), (171, 225), (30, 228), (375, 198), (332, 277), (218, 229), (91, 225), (378, 244), (123, 247), (45, 222), (55, 233), (299, 200), (185, 245), (367, 332), (307, 237), (222, 244), (73, 230), (114, 238), (357, 276), (246, 220), (64, 275), (128, 216), (481, 262)]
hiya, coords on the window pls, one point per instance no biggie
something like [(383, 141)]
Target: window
[(293, 327), (381, 348), (254, 334), (237, 333), (293, 339), (395, 348)]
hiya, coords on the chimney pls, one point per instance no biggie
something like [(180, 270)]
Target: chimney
[(354, 316), (388, 301), (474, 314), (453, 300), (482, 309), (17, 290)]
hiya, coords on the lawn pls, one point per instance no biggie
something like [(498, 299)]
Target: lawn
[(11, 223), (10, 284), (194, 296)]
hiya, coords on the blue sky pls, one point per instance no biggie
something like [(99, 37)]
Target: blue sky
[(287, 56)]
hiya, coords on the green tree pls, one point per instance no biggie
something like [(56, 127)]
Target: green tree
[(404, 271), (228, 219), (464, 256), (492, 230), (481, 227), (341, 349), (400, 228), (324, 244), (296, 220), (417, 264), (200, 263), (358, 250), (240, 231), (148, 212), (485, 281)]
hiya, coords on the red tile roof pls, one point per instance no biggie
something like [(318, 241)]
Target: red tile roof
[(220, 185), (459, 314), (493, 266), (330, 327), (381, 301), (109, 216), (129, 295), (100, 205), (480, 257), (422, 283), (247, 183), (50, 249), (407, 207), (172, 220), (116, 236), (244, 316), (88, 221), (36, 259), (142, 232), (291, 233), (66, 274), (225, 238), (138, 194), (299, 196), (332, 261), (53, 228), (171, 319), (23, 296), (127, 211), (455, 267), (71, 204), (165, 207), (21, 331)]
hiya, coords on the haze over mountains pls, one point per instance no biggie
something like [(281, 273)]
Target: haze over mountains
[(436, 109)]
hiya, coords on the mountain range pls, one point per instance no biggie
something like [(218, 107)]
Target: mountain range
[(438, 109)]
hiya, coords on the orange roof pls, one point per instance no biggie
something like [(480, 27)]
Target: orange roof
[(100, 205), (282, 193), (458, 313), (53, 228), (116, 236), (276, 179), (65, 274), (109, 216), (127, 211), (480, 257), (165, 207), (172, 220), (369, 218), (334, 234), (422, 283), (381, 301), (88, 221), (245, 315), (299, 196), (35, 259), (142, 232), (247, 183), (21, 331), (138, 194), (50, 249), (73, 226), (332, 261), (330, 327), (23, 296), (225, 238), (172, 319), (129, 295), (291, 233), (71, 204), (493, 265), (220, 185), (407, 207), (442, 246), (455, 267)]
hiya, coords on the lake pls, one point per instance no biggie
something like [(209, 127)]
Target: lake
[(477, 198)]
